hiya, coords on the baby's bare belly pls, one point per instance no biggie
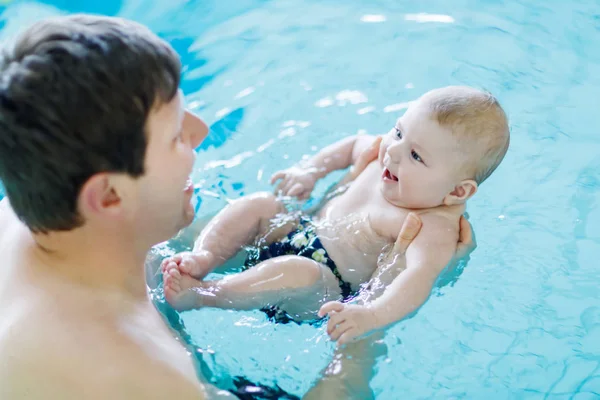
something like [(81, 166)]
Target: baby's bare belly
[(354, 247)]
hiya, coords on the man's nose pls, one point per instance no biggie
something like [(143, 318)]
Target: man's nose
[(195, 128)]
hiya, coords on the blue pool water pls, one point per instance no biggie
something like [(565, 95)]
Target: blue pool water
[(279, 79)]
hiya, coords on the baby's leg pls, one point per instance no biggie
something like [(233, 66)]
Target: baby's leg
[(235, 226), (296, 284)]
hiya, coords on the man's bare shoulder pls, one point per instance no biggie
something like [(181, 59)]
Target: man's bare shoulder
[(4, 211), (50, 358), (8, 220)]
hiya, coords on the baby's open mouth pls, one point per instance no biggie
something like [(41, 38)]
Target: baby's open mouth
[(388, 175)]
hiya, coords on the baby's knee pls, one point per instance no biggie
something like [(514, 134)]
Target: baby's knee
[(265, 203), (306, 272)]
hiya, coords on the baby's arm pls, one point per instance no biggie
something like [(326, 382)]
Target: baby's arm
[(427, 256), (339, 155), (300, 180)]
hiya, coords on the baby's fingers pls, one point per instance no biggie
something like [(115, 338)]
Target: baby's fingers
[(287, 186), (296, 190), (341, 329), (334, 320), (329, 307), (280, 188), (348, 336), (277, 176)]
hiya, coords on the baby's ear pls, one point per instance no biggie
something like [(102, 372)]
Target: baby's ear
[(461, 193)]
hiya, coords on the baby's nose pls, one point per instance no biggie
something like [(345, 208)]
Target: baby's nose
[(394, 152)]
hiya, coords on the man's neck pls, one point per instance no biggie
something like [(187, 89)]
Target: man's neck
[(102, 261)]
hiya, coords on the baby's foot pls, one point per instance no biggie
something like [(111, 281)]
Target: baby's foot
[(197, 264), (177, 290)]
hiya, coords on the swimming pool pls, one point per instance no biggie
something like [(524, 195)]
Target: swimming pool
[(279, 79)]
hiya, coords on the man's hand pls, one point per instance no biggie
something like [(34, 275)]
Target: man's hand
[(466, 241)]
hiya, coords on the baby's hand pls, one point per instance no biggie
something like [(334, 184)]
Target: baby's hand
[(348, 321), (295, 182)]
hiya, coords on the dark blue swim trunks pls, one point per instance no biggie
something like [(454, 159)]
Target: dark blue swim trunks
[(302, 241)]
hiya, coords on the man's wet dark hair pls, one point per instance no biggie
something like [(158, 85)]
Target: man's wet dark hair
[(75, 96)]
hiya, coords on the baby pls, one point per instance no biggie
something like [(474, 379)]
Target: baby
[(430, 163)]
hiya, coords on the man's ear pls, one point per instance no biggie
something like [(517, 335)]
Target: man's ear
[(461, 193), (98, 197)]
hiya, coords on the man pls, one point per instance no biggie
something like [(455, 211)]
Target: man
[(95, 153)]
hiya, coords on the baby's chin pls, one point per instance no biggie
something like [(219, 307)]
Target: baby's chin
[(394, 199), (397, 200)]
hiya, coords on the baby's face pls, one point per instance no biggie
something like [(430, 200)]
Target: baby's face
[(420, 160)]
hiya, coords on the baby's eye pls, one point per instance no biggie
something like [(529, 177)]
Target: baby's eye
[(416, 156), (398, 133)]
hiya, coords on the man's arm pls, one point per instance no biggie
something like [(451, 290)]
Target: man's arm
[(348, 374)]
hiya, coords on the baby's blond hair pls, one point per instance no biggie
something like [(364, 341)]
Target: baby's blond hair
[(478, 121)]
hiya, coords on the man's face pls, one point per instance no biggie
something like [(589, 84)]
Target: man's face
[(164, 192)]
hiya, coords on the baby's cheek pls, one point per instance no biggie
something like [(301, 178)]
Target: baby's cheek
[(406, 184)]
